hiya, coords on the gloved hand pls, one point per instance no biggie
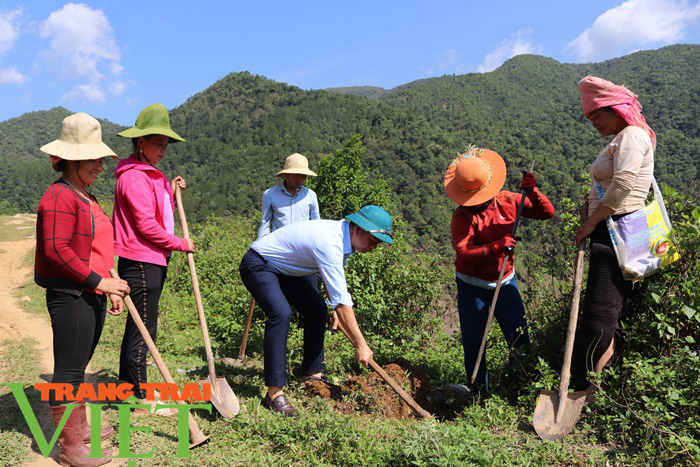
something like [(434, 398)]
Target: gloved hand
[(499, 246), (529, 182)]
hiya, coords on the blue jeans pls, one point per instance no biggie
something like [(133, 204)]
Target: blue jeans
[(473, 304), (276, 293)]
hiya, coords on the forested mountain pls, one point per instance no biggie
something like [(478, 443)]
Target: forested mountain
[(25, 172), (241, 128), (372, 92)]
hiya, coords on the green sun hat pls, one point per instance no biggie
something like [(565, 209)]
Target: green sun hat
[(153, 120), (374, 220)]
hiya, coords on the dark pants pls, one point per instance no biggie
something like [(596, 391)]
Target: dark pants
[(276, 293), (146, 283), (606, 295), (77, 325), (473, 304)]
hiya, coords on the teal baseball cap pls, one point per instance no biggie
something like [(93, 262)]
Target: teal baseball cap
[(374, 220)]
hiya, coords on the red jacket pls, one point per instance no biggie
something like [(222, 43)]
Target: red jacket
[(475, 229), (65, 230)]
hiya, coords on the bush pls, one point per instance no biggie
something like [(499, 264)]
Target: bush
[(650, 402)]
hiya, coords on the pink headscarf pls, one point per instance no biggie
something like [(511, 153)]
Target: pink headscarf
[(597, 93)]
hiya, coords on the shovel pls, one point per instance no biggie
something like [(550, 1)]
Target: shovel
[(421, 412), (557, 413), (197, 438), (241, 352), (222, 395), (494, 300)]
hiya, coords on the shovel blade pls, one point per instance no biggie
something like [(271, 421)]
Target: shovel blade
[(223, 398), (544, 420)]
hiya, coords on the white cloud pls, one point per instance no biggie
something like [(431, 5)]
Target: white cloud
[(116, 69), (82, 43), (520, 42), (117, 88), (444, 62), (9, 32), (633, 24), (84, 92), (11, 76)]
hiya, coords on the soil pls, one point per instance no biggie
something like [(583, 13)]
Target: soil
[(371, 394)]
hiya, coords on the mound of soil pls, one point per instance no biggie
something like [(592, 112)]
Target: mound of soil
[(372, 394)]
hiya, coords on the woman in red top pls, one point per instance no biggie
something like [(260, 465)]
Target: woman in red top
[(74, 253), (481, 232)]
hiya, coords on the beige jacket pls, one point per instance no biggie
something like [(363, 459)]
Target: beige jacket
[(624, 171)]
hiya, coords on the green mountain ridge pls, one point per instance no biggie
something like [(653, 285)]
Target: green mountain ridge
[(240, 129)]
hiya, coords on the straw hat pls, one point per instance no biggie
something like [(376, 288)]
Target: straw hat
[(81, 139), (475, 177), (296, 164), (153, 120)]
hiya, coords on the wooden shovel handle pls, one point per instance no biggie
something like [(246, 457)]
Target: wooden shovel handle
[(573, 321), (195, 432), (394, 385), (195, 288), (244, 342), (494, 300)]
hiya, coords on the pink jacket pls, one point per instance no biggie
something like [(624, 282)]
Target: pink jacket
[(139, 233)]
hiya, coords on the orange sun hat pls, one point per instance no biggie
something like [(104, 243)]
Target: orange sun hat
[(475, 177)]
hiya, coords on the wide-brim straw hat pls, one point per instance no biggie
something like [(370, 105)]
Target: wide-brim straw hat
[(153, 120), (296, 164), (81, 139), (475, 177)]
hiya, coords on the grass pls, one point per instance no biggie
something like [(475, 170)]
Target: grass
[(494, 431), (16, 366), (16, 228)]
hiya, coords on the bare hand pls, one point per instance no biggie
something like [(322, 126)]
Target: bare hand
[(178, 182), (190, 242), (117, 305), (113, 286), (334, 320), (584, 231), (363, 354)]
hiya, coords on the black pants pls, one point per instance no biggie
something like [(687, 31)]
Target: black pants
[(77, 324), (275, 293), (146, 283), (607, 296)]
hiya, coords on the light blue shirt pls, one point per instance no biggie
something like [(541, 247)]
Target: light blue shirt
[(280, 208), (310, 247)]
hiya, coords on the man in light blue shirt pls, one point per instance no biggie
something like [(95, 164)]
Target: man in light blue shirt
[(290, 201), (274, 271)]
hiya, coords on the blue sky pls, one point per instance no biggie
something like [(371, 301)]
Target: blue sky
[(111, 58)]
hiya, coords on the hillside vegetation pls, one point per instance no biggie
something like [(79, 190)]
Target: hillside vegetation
[(393, 151), (240, 129)]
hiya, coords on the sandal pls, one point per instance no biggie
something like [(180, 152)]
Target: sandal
[(154, 410), (323, 378)]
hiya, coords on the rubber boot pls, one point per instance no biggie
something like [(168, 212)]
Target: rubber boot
[(73, 449), (105, 431)]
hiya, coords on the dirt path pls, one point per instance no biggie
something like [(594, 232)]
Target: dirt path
[(18, 324)]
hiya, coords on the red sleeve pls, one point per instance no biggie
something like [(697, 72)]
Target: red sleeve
[(59, 222), (467, 252), (536, 206)]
